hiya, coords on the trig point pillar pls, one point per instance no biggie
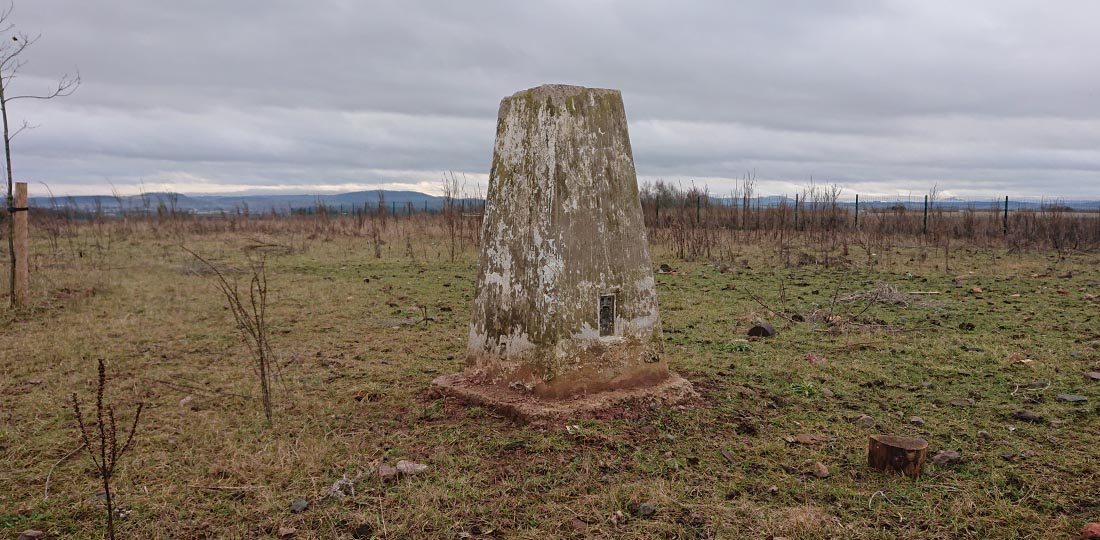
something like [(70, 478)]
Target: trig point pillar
[(565, 304)]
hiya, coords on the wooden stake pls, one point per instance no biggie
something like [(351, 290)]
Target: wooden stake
[(891, 453), (22, 268)]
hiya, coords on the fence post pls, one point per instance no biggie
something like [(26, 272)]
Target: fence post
[(857, 210), (924, 229), (1005, 221), (21, 268)]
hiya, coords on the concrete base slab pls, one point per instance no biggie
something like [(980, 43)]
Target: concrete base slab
[(525, 407)]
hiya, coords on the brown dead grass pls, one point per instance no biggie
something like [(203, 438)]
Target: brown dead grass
[(353, 394)]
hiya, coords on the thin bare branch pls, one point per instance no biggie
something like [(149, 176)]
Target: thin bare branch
[(65, 87)]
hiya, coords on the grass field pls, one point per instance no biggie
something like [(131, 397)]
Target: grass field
[(356, 361)]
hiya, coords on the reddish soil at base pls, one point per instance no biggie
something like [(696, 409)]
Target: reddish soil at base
[(527, 407)]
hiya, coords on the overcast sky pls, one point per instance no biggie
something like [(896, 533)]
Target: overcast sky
[(981, 98)]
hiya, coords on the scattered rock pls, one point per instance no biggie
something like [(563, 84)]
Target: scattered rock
[(1071, 398), (806, 438), (287, 532), (190, 402), (976, 290), (865, 421), (618, 518), (409, 468), (966, 326), (820, 470), (826, 392), (946, 457), (578, 525), (984, 436), (31, 534), (299, 506), (664, 269), (344, 487), (362, 531), (1027, 416), (916, 420), (386, 472), (1091, 531), (762, 330), (645, 509), (1093, 375), (960, 402)]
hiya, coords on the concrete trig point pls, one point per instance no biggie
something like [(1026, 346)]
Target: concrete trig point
[(565, 313)]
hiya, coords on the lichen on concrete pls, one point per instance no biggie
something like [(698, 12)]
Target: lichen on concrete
[(562, 226)]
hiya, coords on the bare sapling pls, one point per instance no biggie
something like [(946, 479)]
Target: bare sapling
[(250, 313), (102, 442), (12, 46), (452, 189)]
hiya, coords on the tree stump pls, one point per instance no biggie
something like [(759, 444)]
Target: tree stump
[(891, 453)]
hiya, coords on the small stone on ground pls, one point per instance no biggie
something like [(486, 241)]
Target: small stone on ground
[(645, 509), (1027, 416), (865, 421), (946, 457), (410, 468), (299, 506), (1071, 398), (916, 420), (762, 330), (386, 472), (820, 470)]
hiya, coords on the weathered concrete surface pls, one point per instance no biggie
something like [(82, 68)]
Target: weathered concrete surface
[(562, 229)]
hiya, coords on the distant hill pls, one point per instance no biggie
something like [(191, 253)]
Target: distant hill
[(205, 204), (400, 201)]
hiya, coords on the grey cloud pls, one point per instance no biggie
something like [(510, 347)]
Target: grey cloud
[(981, 97)]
